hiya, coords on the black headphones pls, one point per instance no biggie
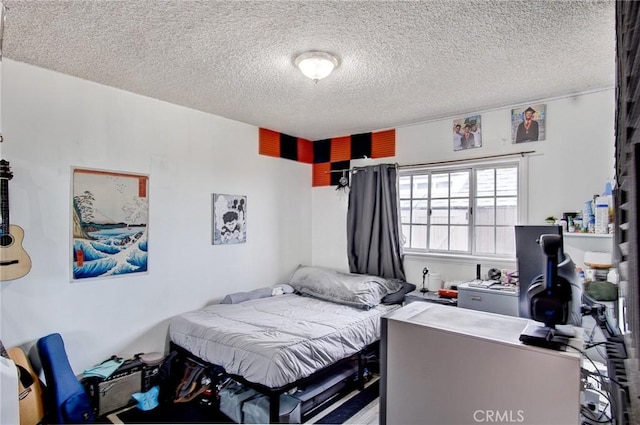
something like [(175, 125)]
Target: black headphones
[(549, 294)]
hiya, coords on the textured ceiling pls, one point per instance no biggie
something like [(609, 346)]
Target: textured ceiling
[(400, 62)]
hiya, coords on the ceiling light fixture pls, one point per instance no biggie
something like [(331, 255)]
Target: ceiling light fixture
[(316, 65)]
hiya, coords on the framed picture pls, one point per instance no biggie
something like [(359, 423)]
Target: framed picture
[(467, 133), (229, 219), (528, 123), (109, 224)]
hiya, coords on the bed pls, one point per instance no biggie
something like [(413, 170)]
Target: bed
[(277, 338)]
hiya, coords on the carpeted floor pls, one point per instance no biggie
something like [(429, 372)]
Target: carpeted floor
[(196, 413)]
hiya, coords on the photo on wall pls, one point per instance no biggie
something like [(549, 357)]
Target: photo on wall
[(109, 224), (229, 219), (467, 133), (528, 124)]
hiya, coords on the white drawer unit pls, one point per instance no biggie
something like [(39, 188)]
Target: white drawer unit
[(451, 366), (490, 300)]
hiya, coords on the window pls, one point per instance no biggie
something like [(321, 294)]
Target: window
[(468, 209)]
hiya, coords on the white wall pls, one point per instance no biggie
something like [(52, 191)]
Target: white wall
[(569, 167), (52, 122)]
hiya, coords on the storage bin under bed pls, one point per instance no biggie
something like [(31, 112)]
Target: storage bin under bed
[(244, 405)]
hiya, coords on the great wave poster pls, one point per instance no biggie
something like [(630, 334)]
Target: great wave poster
[(109, 224)]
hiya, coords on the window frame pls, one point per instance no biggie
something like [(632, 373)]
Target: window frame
[(518, 160)]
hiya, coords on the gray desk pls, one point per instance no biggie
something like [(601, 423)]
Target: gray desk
[(490, 300)]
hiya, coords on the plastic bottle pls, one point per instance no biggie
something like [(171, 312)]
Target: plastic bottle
[(601, 215), (571, 227), (589, 275), (563, 224), (587, 215)]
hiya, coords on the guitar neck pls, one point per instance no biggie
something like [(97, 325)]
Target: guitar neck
[(4, 205)]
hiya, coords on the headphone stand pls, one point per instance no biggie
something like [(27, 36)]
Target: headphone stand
[(543, 336)]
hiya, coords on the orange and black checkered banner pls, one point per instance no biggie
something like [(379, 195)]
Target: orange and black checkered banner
[(328, 155), (280, 145)]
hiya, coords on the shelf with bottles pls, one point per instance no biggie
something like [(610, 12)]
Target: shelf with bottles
[(587, 235)]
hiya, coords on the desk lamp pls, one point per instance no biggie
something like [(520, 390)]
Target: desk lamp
[(425, 272)]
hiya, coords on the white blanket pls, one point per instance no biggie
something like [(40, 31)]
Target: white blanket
[(277, 340)]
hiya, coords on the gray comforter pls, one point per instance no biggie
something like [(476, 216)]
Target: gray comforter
[(277, 340)]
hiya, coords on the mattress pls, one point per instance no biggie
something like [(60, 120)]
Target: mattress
[(277, 340)]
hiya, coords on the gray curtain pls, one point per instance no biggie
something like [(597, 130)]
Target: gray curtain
[(373, 233)]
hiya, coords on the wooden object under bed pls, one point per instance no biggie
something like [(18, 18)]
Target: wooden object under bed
[(274, 393)]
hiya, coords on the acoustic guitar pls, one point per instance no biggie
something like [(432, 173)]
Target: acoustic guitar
[(14, 261), (30, 398)]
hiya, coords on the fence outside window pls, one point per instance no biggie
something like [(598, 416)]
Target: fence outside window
[(467, 209)]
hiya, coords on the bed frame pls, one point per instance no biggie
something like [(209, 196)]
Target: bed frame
[(275, 393)]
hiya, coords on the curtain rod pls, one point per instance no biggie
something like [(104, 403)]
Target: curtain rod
[(451, 161)]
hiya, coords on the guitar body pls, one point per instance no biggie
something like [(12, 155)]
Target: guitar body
[(14, 260), (31, 402)]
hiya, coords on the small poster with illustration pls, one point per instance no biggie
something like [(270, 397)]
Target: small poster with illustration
[(229, 219), (467, 133), (528, 124), (109, 224)]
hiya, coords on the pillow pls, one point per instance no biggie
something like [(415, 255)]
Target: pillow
[(238, 297), (602, 291), (282, 289), (357, 290), (235, 298), (259, 293), (398, 296)]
